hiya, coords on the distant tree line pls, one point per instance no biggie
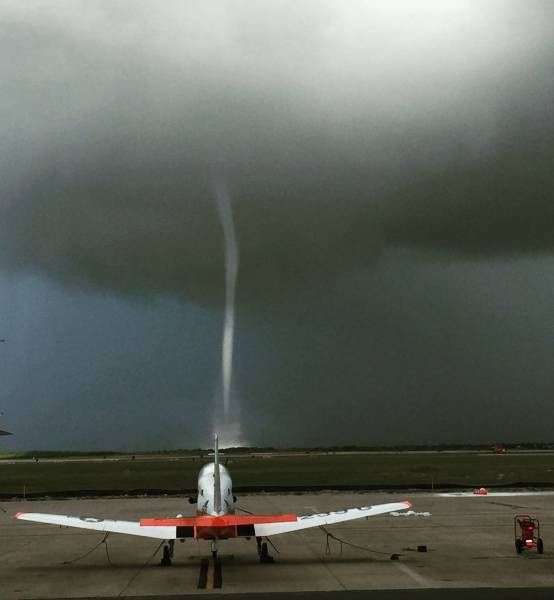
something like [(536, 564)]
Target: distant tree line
[(203, 452)]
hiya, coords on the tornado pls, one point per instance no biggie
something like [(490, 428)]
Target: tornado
[(225, 211)]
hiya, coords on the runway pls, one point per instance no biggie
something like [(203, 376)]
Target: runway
[(470, 552)]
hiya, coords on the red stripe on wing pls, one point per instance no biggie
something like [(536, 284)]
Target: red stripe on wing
[(223, 521)]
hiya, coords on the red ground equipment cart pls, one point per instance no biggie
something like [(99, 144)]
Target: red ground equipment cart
[(527, 534)]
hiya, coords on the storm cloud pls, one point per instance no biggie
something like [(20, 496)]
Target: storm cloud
[(341, 130), (390, 169)]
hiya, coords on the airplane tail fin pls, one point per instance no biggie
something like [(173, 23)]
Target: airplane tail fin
[(217, 480)]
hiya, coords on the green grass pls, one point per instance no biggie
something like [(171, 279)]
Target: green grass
[(356, 470), (54, 454)]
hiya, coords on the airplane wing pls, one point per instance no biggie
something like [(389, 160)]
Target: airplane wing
[(104, 525), (164, 528), (204, 526), (330, 518)]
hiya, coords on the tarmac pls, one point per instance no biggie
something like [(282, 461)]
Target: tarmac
[(469, 542)]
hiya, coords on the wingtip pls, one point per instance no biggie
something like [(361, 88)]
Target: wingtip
[(408, 504), (18, 515)]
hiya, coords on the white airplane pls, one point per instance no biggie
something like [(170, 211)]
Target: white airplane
[(215, 518)]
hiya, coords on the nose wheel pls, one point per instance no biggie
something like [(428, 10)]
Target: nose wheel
[(214, 550)]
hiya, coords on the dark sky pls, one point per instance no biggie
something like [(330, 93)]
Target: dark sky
[(390, 165)]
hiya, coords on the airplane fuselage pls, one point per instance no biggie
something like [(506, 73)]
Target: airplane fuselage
[(207, 491)]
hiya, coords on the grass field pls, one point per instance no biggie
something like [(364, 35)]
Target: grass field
[(285, 471)]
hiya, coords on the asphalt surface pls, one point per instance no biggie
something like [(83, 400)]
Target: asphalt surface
[(469, 541), (454, 594)]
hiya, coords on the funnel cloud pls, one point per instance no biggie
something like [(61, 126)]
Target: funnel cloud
[(231, 269)]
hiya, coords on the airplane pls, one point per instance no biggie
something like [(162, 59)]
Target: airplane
[(216, 518)]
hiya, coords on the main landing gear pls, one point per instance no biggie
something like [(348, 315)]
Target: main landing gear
[(168, 551), (263, 553), (214, 550)]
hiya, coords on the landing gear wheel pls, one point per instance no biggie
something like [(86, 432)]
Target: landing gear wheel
[(265, 557), (519, 546), (166, 558), (262, 551), (540, 546)]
